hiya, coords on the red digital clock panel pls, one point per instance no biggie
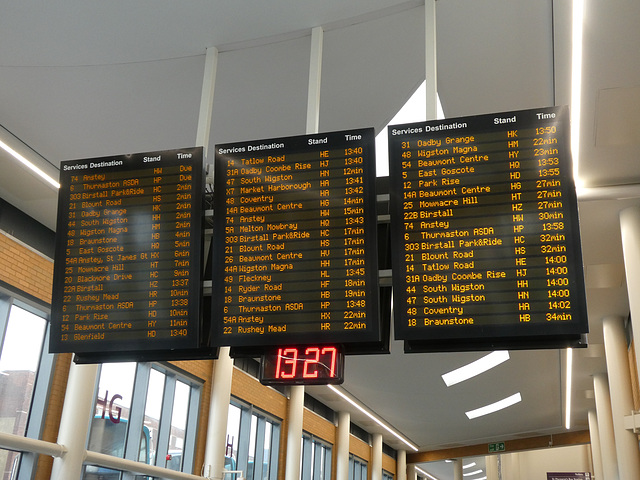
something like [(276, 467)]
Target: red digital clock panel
[(303, 365)]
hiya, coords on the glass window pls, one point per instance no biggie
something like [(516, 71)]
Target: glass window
[(233, 433), (178, 426), (253, 441), (113, 406), (25, 374), (19, 359), (386, 475), (316, 459), (357, 468), (153, 408), (144, 412)]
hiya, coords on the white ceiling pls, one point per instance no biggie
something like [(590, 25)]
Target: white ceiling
[(86, 79)]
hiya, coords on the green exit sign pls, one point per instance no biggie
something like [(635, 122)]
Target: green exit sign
[(496, 447)]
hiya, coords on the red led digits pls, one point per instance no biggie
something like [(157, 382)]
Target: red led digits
[(301, 365), (283, 354), (311, 361), (334, 355)]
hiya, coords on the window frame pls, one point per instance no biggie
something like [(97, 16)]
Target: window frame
[(247, 412), (137, 413), (359, 466), (317, 468), (27, 461)]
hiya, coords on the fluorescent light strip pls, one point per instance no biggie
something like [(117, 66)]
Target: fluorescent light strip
[(576, 81), (28, 164), (469, 465), (472, 473), (374, 418), (475, 368), (422, 472), (494, 407), (569, 380)]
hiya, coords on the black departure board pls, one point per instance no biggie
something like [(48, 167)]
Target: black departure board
[(128, 253), (485, 235), (295, 241)]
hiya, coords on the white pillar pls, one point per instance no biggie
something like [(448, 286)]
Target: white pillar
[(401, 465), (77, 412), (342, 446), (510, 466), (431, 64), (294, 432), (218, 415), (630, 230), (596, 455), (615, 347), (457, 469), (376, 457), (491, 464), (605, 427), (412, 474)]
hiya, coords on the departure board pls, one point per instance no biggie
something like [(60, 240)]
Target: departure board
[(295, 241), (485, 235), (128, 253)]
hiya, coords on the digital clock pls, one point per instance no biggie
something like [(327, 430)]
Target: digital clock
[(303, 365)]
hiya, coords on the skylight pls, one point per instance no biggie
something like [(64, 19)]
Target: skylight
[(494, 407), (475, 368)]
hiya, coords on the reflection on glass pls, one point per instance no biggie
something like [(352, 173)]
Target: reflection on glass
[(111, 417), (178, 426), (252, 446), (233, 433), (19, 358), (153, 408), (266, 453)]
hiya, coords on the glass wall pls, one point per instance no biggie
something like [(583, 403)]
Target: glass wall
[(25, 375), (357, 468), (253, 438), (147, 413), (315, 462)]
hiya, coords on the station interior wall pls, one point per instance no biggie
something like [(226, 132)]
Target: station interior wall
[(28, 272), (26, 249), (535, 464)]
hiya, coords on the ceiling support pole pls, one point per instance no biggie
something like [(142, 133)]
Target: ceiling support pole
[(431, 65), (206, 99), (216, 443), (315, 77), (296, 398)]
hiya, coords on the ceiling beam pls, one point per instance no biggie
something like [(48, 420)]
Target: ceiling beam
[(531, 443)]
